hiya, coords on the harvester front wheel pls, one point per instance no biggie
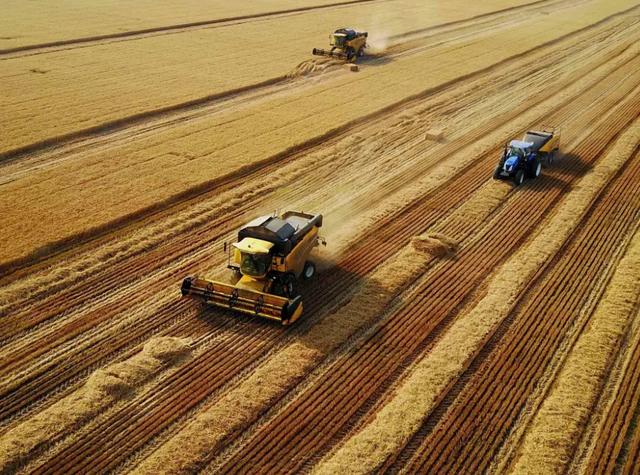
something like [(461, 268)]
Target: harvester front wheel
[(289, 285), (309, 270)]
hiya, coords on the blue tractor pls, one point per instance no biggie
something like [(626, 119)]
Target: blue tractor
[(525, 158)]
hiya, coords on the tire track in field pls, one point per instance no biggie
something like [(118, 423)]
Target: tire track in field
[(617, 429), (466, 439), (63, 244), (292, 431)]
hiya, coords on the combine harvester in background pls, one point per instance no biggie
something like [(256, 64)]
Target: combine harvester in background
[(526, 157), (270, 256), (346, 43)]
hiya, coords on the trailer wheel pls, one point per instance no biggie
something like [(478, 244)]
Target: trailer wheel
[(546, 160), (309, 270), (550, 158), (518, 179)]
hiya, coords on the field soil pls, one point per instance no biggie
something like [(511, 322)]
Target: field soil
[(456, 323)]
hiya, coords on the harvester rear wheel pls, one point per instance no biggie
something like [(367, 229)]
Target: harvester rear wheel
[(309, 270)]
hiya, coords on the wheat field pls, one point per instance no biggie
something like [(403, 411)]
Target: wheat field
[(457, 323)]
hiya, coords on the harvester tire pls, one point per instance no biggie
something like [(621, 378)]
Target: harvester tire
[(360, 52), (289, 285), (518, 178), (309, 270), (496, 173)]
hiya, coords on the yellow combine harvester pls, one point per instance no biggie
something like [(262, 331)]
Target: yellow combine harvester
[(346, 43), (271, 254)]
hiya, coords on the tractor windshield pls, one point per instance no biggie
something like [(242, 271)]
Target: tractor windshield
[(515, 151), (255, 265)]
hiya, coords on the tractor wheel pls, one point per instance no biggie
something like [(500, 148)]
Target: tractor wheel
[(496, 173), (518, 179), (536, 169), (309, 270)]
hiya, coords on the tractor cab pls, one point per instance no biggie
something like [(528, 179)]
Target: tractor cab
[(518, 148), (515, 154)]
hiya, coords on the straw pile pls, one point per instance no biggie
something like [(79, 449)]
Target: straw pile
[(103, 388)]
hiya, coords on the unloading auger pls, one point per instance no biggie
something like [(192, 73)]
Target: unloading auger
[(271, 254)]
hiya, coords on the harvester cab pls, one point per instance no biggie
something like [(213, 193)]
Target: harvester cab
[(271, 254), (346, 43), (526, 157)]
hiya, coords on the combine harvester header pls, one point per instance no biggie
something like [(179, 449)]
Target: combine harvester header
[(270, 256)]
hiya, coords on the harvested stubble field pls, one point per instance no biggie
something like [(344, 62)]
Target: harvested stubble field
[(457, 324)]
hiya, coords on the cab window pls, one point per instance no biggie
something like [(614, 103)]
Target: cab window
[(255, 264)]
